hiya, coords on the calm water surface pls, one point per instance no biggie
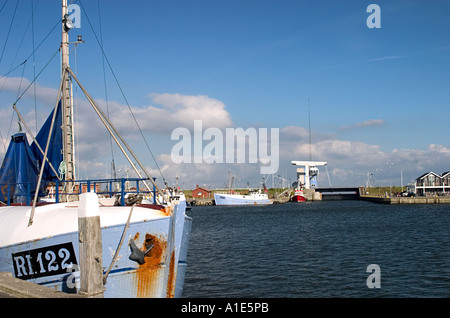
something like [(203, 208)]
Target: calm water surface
[(319, 249)]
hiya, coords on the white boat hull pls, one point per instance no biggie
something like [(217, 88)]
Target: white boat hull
[(237, 199), (43, 252)]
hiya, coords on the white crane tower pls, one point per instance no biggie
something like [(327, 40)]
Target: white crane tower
[(308, 171)]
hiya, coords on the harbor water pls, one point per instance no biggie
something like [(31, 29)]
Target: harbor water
[(319, 249)]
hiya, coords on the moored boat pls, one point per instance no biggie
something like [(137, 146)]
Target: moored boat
[(298, 195), (253, 198), (144, 245)]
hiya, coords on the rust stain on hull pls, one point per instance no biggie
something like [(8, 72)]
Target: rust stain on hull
[(170, 293), (147, 274)]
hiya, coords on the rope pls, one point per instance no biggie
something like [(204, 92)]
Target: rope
[(62, 169), (116, 254)]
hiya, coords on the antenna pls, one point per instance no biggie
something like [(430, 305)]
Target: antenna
[(309, 128)]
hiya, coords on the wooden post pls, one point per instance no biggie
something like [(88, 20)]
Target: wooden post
[(90, 245)]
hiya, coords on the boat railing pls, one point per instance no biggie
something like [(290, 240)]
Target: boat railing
[(23, 193)]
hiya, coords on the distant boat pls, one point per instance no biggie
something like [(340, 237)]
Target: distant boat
[(298, 195), (253, 198)]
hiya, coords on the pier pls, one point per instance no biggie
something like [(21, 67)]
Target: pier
[(200, 201), (11, 287), (407, 200)]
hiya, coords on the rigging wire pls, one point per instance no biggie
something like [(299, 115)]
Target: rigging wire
[(121, 91), (34, 65), (36, 77), (3, 6), (18, 49), (29, 85), (309, 131), (21, 80), (9, 129), (34, 51), (75, 122), (15, 56), (3, 142), (113, 165), (12, 69), (9, 31), (23, 64)]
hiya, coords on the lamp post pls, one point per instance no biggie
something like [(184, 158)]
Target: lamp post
[(390, 183)]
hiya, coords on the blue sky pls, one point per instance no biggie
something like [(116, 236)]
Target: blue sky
[(375, 95)]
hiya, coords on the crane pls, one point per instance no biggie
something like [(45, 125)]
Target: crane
[(310, 170)]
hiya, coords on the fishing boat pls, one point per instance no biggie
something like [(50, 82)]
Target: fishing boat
[(253, 198), (298, 195), (144, 244)]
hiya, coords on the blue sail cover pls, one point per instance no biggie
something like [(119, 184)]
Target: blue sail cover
[(19, 171), (54, 153)]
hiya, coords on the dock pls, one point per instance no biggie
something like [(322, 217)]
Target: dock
[(281, 200), (344, 193), (407, 200), (11, 287), (210, 201), (200, 201)]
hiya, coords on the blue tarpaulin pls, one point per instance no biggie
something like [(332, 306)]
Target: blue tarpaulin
[(21, 166), (54, 153), (19, 172)]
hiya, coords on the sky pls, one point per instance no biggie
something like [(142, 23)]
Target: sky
[(374, 103)]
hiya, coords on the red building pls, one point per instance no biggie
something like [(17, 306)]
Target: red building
[(201, 192)]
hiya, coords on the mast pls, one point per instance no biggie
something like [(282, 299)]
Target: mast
[(66, 101), (309, 130)]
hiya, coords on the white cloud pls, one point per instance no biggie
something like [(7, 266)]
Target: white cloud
[(376, 59), (348, 161), (435, 158), (367, 123), (175, 110), (46, 95), (92, 139), (294, 133)]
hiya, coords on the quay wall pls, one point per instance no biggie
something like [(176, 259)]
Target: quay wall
[(200, 201), (407, 200)]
